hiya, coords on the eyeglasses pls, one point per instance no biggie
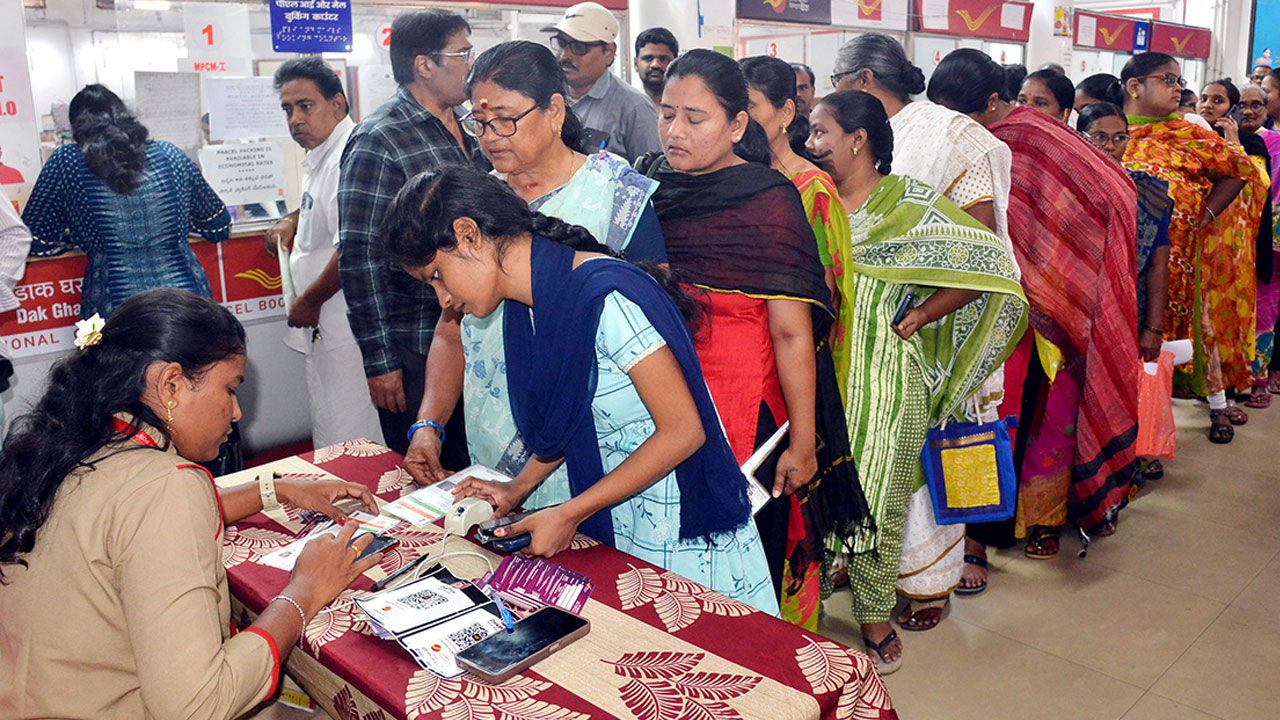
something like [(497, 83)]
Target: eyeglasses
[(1102, 139), (500, 126), (466, 55), (560, 43), (1252, 106), (1169, 79), (835, 78)]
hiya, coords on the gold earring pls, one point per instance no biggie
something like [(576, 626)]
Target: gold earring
[(169, 411), (784, 128), (1133, 95), (855, 151)]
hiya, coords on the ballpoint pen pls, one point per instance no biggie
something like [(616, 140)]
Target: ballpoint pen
[(507, 618)]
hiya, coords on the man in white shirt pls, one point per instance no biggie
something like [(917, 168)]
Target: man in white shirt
[(316, 108)]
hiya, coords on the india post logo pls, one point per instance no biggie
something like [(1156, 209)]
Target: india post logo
[(779, 6)]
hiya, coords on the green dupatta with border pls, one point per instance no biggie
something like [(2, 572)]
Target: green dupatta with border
[(908, 234)]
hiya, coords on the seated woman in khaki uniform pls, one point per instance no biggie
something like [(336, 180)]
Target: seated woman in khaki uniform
[(114, 600)]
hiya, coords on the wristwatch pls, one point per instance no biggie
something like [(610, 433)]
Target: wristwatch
[(267, 489)]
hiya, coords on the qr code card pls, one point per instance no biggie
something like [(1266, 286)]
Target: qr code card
[(416, 604), (437, 648)]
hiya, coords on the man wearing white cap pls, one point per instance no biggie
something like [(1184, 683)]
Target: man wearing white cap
[(609, 109)]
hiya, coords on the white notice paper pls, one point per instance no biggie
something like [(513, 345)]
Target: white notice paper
[(169, 105), (1087, 31), (933, 14), (1011, 16), (244, 109), (243, 173)]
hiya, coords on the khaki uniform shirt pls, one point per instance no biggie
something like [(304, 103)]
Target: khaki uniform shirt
[(124, 611)]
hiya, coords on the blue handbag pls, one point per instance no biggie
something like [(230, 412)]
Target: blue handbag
[(969, 470)]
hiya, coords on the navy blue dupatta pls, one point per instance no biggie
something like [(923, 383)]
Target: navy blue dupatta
[(551, 378)]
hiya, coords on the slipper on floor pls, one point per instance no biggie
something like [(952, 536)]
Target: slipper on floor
[(916, 608), (1259, 400), (875, 651), (1220, 433), (976, 589), (1044, 543), (1153, 471)]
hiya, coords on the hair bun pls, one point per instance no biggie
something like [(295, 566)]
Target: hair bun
[(914, 80)]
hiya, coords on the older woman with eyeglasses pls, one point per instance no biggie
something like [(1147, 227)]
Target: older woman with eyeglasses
[(1205, 174), (521, 117), (1252, 104)]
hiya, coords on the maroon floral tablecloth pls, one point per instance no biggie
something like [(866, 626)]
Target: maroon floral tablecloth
[(661, 647)]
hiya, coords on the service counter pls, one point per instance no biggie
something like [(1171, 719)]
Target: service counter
[(244, 279)]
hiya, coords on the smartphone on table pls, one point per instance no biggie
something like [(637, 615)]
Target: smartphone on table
[(504, 654)]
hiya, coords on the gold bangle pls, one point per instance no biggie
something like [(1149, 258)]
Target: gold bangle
[(289, 219)]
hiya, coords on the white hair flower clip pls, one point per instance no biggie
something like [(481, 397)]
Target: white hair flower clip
[(89, 332)]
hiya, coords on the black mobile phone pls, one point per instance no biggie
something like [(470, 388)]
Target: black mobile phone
[(380, 543), (504, 654), (908, 301), (511, 544), (485, 530)]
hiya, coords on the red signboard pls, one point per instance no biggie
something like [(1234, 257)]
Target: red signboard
[(1109, 32), (990, 19), (242, 276), (1180, 40)]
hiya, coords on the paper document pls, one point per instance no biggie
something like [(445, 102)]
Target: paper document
[(428, 504), (758, 494)]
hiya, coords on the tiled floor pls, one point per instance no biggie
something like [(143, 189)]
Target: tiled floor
[(1172, 618)]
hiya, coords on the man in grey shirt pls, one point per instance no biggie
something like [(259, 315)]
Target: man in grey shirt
[(609, 109)]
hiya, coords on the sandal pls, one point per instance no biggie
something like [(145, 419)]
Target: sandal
[(1273, 382), (1220, 433), (1236, 415), (923, 614), (1259, 400), (876, 652), (838, 573), (970, 590), (1153, 471), (1044, 543)]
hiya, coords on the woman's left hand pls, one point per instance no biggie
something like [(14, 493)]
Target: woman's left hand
[(1149, 344), (552, 530), (913, 320), (796, 467), (320, 495), (1230, 130)]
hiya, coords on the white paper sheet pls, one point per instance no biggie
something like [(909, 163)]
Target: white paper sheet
[(934, 14), (169, 105), (757, 493), (425, 505), (1011, 16), (1087, 31), (241, 173), (244, 109)]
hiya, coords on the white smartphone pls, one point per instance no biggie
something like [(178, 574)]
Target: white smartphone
[(504, 654)]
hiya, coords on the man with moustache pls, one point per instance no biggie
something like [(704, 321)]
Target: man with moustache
[(656, 48), (612, 112), (316, 110), (418, 129), (804, 89)]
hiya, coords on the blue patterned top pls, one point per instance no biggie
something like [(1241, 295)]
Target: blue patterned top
[(134, 241)]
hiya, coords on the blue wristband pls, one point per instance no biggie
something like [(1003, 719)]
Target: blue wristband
[(414, 428)]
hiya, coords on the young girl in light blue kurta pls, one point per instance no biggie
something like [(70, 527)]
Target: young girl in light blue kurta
[(602, 376)]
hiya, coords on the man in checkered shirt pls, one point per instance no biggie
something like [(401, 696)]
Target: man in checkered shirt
[(393, 315)]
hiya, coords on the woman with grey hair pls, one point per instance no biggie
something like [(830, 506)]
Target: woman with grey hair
[(954, 154)]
